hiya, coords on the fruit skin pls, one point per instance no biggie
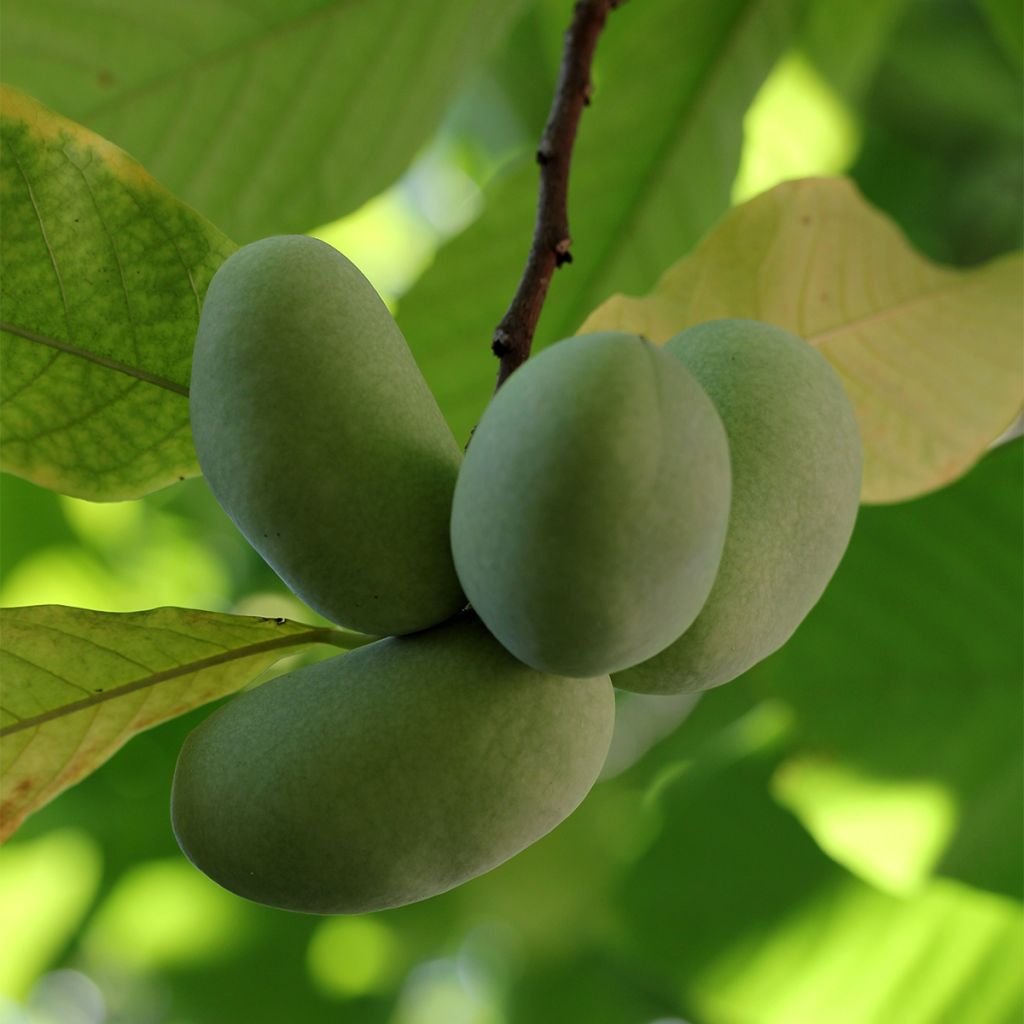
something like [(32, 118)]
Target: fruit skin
[(320, 437), (796, 463), (387, 775), (591, 508)]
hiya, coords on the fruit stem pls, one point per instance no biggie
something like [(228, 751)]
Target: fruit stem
[(551, 241)]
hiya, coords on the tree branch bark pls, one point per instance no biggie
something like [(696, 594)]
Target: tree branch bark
[(551, 241)]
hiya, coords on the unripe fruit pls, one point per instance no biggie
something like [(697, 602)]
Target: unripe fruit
[(389, 774), (591, 507), (320, 437), (796, 472)]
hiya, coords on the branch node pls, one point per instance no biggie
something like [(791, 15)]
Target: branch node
[(500, 343)]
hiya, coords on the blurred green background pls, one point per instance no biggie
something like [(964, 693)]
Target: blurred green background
[(836, 837)]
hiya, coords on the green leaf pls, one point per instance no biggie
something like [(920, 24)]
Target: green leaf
[(103, 274), (78, 684), (749, 922), (929, 355), (266, 117), (905, 686), (977, 95), (652, 169), (1006, 18), (846, 42)]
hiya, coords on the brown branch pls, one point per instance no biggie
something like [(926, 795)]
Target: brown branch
[(550, 249)]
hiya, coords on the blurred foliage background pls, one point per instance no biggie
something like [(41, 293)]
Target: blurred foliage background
[(835, 838)]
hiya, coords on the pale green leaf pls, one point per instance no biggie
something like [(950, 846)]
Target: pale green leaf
[(78, 684), (103, 274), (652, 170), (268, 117), (930, 356)]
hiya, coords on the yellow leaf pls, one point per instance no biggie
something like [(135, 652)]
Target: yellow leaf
[(930, 356)]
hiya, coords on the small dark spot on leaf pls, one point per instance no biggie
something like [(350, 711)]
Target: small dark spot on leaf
[(99, 689), (805, 219), (104, 78), (279, 620)]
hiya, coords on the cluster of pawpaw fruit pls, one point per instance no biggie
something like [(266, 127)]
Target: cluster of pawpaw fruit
[(652, 518)]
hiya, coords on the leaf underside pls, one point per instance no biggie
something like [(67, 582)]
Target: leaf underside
[(270, 117), (930, 356)]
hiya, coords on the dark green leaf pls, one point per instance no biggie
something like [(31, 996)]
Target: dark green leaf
[(906, 678), (1006, 19)]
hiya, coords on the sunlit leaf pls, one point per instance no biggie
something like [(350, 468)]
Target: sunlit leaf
[(103, 274), (46, 889), (268, 117), (652, 170), (189, 920), (797, 126), (891, 832), (742, 918), (78, 684), (930, 356)]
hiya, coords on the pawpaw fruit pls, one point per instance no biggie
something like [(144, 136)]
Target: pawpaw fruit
[(796, 477), (389, 774), (591, 507), (320, 438)]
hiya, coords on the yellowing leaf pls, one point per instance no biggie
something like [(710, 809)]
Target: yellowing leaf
[(930, 356), (78, 684), (103, 274)]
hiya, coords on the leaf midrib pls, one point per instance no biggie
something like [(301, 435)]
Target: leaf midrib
[(110, 364), (953, 284), (323, 635)]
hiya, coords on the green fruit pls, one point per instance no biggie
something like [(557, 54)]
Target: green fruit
[(796, 469), (387, 775), (320, 437), (591, 507)]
